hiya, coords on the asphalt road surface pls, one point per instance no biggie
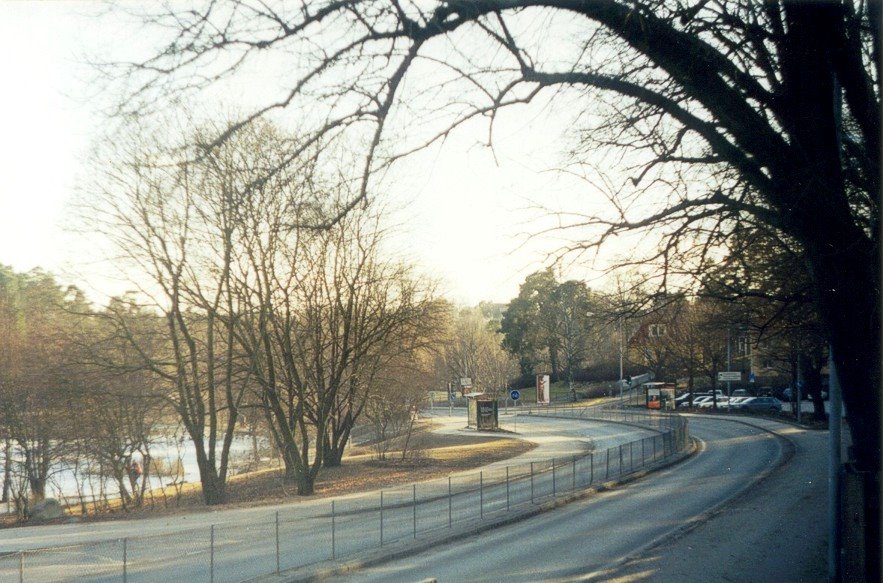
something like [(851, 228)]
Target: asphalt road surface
[(711, 518)]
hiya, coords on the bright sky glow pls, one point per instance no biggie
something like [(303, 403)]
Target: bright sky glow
[(464, 216)]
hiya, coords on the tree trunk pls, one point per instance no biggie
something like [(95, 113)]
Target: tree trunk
[(214, 489), (7, 470), (333, 453)]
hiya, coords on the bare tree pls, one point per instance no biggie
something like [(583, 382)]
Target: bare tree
[(474, 349), (173, 220), (760, 112)]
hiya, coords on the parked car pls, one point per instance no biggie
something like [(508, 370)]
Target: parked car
[(683, 400), (701, 399), (741, 393), (761, 404), (709, 404)]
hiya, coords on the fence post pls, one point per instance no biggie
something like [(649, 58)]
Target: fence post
[(631, 456), (531, 482), (620, 459), (381, 518), (21, 567), (333, 539), (414, 506), (212, 556), (591, 468), (278, 570), (481, 495), (507, 488), (573, 474), (643, 455), (654, 448), (449, 503), (554, 489), (607, 471), (125, 559)]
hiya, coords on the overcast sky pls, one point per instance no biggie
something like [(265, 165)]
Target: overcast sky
[(464, 213)]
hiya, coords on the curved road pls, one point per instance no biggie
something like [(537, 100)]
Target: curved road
[(707, 519), (240, 544)]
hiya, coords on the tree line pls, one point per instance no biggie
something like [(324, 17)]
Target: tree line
[(751, 308)]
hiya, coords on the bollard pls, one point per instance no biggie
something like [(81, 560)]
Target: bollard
[(607, 471), (125, 559), (620, 459), (591, 468), (643, 455), (381, 518), (414, 507), (21, 567)]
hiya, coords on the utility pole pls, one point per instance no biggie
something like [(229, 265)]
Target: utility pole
[(729, 383), (799, 388), (620, 360)]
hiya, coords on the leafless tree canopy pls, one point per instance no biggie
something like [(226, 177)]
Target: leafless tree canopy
[(721, 113)]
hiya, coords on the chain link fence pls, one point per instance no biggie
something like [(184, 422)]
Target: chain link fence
[(306, 534)]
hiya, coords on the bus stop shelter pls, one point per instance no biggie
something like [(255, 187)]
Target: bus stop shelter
[(483, 412)]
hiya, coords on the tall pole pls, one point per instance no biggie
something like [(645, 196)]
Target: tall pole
[(834, 466), (620, 360), (799, 388), (729, 383)]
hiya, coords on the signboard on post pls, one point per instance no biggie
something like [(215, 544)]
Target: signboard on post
[(515, 394), (543, 389), (729, 376)]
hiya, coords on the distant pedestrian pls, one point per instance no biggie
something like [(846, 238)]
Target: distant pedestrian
[(135, 471)]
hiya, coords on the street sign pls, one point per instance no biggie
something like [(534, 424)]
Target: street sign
[(751, 377), (515, 394), (729, 376), (465, 381), (452, 396)]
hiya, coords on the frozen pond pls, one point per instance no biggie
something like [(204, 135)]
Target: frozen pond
[(68, 483)]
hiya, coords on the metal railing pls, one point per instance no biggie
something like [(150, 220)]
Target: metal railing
[(306, 534)]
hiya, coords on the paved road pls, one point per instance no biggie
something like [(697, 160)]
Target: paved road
[(642, 532), (239, 544)]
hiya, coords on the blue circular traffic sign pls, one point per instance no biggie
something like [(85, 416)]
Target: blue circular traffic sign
[(515, 394)]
